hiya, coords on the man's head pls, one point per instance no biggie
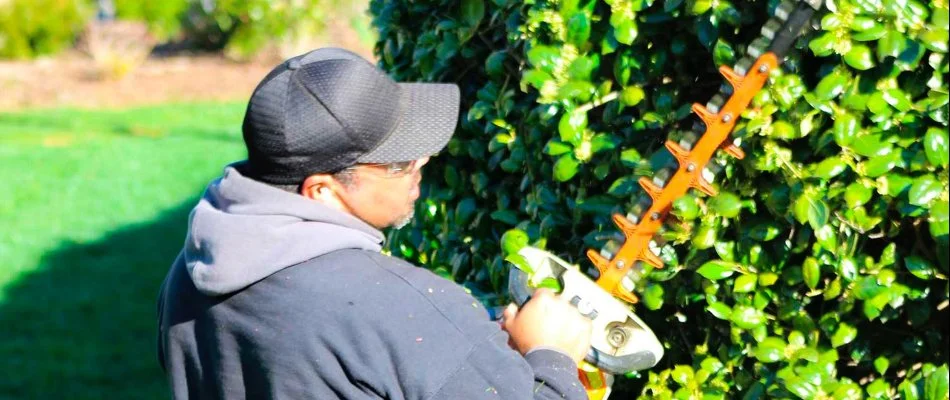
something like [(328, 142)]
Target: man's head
[(340, 131)]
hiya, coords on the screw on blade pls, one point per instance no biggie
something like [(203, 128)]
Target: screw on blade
[(771, 28), (784, 9)]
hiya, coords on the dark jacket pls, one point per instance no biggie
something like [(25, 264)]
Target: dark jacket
[(277, 296)]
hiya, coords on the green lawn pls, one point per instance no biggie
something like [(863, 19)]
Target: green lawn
[(93, 206)]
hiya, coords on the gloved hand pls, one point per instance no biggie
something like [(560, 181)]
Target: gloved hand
[(548, 320)]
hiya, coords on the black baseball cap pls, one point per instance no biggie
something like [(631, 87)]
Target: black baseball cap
[(330, 109)]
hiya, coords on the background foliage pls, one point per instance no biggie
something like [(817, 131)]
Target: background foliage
[(30, 28), (34, 27), (820, 271)]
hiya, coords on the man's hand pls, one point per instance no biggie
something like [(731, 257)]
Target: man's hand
[(548, 320)]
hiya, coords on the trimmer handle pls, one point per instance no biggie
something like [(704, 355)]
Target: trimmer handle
[(621, 342)]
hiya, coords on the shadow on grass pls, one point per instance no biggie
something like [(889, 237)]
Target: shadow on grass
[(82, 326)]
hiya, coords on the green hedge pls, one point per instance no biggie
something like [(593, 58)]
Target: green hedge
[(820, 271), (30, 28)]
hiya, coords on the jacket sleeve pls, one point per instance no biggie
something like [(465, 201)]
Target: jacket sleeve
[(493, 370)]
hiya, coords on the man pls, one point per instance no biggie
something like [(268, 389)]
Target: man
[(281, 290)]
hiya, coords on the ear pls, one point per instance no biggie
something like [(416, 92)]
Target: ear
[(319, 187)]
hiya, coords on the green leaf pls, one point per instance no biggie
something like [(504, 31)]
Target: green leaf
[(602, 142), (768, 279), (823, 45), (699, 7), (937, 147), (578, 29), (705, 237), (920, 267), (937, 386), (717, 269), (686, 207), (845, 128), (772, 349), (847, 268), (898, 99), (472, 12), (632, 95), (495, 63), (745, 283), (878, 106), (571, 127), (830, 21), (726, 204), (545, 58), (925, 189), (894, 185), (565, 168), (509, 217), (878, 389), (939, 219), (630, 157), (513, 240), (862, 23), (857, 194), (582, 68), (682, 374), (811, 271), (859, 57), (723, 54), (623, 186), (549, 282), (881, 165), (908, 390), (811, 208), (765, 231), (556, 148), (827, 238), (464, 211), (536, 78), (935, 39), (626, 31), (719, 310), (830, 167), (746, 317), (518, 261), (873, 33), (653, 296), (844, 335), (881, 364), (831, 86), (891, 45), (576, 89)]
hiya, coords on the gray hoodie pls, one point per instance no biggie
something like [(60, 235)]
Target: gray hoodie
[(278, 296)]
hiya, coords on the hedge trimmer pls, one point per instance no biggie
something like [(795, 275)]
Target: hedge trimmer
[(622, 343)]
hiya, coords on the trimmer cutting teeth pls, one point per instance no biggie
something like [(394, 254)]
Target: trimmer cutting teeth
[(623, 343), (695, 150)]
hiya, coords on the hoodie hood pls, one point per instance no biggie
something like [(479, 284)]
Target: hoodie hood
[(242, 231)]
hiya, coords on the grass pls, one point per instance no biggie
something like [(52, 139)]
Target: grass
[(93, 206)]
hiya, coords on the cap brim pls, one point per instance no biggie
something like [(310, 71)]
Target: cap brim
[(429, 115)]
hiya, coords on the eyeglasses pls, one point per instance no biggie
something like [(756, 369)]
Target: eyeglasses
[(394, 169)]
